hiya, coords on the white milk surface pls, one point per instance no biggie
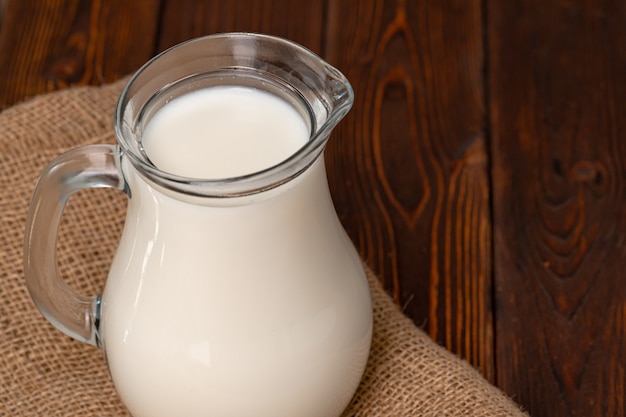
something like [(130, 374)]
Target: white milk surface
[(223, 132), (257, 309)]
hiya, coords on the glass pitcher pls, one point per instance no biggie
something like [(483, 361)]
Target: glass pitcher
[(239, 296)]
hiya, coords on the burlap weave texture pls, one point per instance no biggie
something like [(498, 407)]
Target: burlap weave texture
[(45, 373)]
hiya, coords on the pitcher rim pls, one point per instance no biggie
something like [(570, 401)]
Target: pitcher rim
[(258, 181)]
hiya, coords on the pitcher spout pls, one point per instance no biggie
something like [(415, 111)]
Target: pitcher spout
[(340, 96)]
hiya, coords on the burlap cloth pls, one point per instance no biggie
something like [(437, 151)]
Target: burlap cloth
[(44, 373)]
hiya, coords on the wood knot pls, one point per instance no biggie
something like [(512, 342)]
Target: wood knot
[(66, 69), (587, 172), (68, 66)]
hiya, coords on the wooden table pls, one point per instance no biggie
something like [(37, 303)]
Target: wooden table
[(479, 173)]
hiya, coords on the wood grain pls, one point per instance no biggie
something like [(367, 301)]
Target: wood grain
[(430, 147), (299, 21), (408, 166), (52, 44), (557, 90)]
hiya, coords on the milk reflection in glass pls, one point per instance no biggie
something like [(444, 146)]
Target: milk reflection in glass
[(250, 332)]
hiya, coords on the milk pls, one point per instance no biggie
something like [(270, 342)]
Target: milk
[(223, 132), (255, 309)]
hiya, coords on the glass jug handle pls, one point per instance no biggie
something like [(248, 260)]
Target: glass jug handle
[(92, 166)]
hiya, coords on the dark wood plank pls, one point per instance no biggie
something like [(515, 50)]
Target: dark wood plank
[(50, 44), (408, 166), (300, 21), (557, 92)]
